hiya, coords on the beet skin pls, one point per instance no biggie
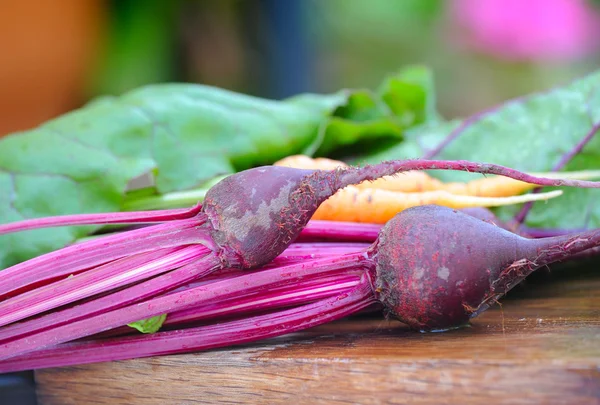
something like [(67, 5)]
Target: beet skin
[(437, 267), (257, 213)]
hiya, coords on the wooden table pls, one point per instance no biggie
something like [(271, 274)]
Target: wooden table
[(542, 346)]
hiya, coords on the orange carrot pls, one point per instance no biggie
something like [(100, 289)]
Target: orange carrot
[(353, 204)]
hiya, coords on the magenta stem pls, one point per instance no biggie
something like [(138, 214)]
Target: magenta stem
[(300, 293), (340, 231), (251, 305), (102, 219), (113, 301), (74, 258), (303, 248), (200, 338), (307, 251), (320, 251), (251, 283), (98, 280)]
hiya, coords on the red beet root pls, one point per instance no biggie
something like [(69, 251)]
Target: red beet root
[(436, 267)]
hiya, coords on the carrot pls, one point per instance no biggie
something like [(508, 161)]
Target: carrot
[(306, 162), (372, 205), (497, 186)]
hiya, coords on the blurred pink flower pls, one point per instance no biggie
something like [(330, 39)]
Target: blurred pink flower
[(528, 29)]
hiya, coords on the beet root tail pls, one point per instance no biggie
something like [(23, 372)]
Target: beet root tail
[(542, 252)]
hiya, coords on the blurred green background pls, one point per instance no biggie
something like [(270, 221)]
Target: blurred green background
[(58, 54)]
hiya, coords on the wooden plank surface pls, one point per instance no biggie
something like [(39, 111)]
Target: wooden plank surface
[(541, 347)]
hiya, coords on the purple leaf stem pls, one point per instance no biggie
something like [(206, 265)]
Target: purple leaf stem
[(199, 338), (127, 296), (98, 280), (102, 219), (247, 284), (81, 256)]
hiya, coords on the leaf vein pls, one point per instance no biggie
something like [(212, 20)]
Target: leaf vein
[(83, 144)]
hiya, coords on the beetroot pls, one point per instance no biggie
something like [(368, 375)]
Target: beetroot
[(446, 267)]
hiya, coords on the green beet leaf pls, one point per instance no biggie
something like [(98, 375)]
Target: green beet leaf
[(375, 121), (150, 325)]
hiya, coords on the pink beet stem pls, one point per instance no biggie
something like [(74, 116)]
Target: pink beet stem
[(74, 258), (247, 284), (303, 248), (340, 231), (295, 253), (306, 251), (200, 338), (130, 295), (320, 251), (254, 304), (102, 219), (100, 279), (301, 293)]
